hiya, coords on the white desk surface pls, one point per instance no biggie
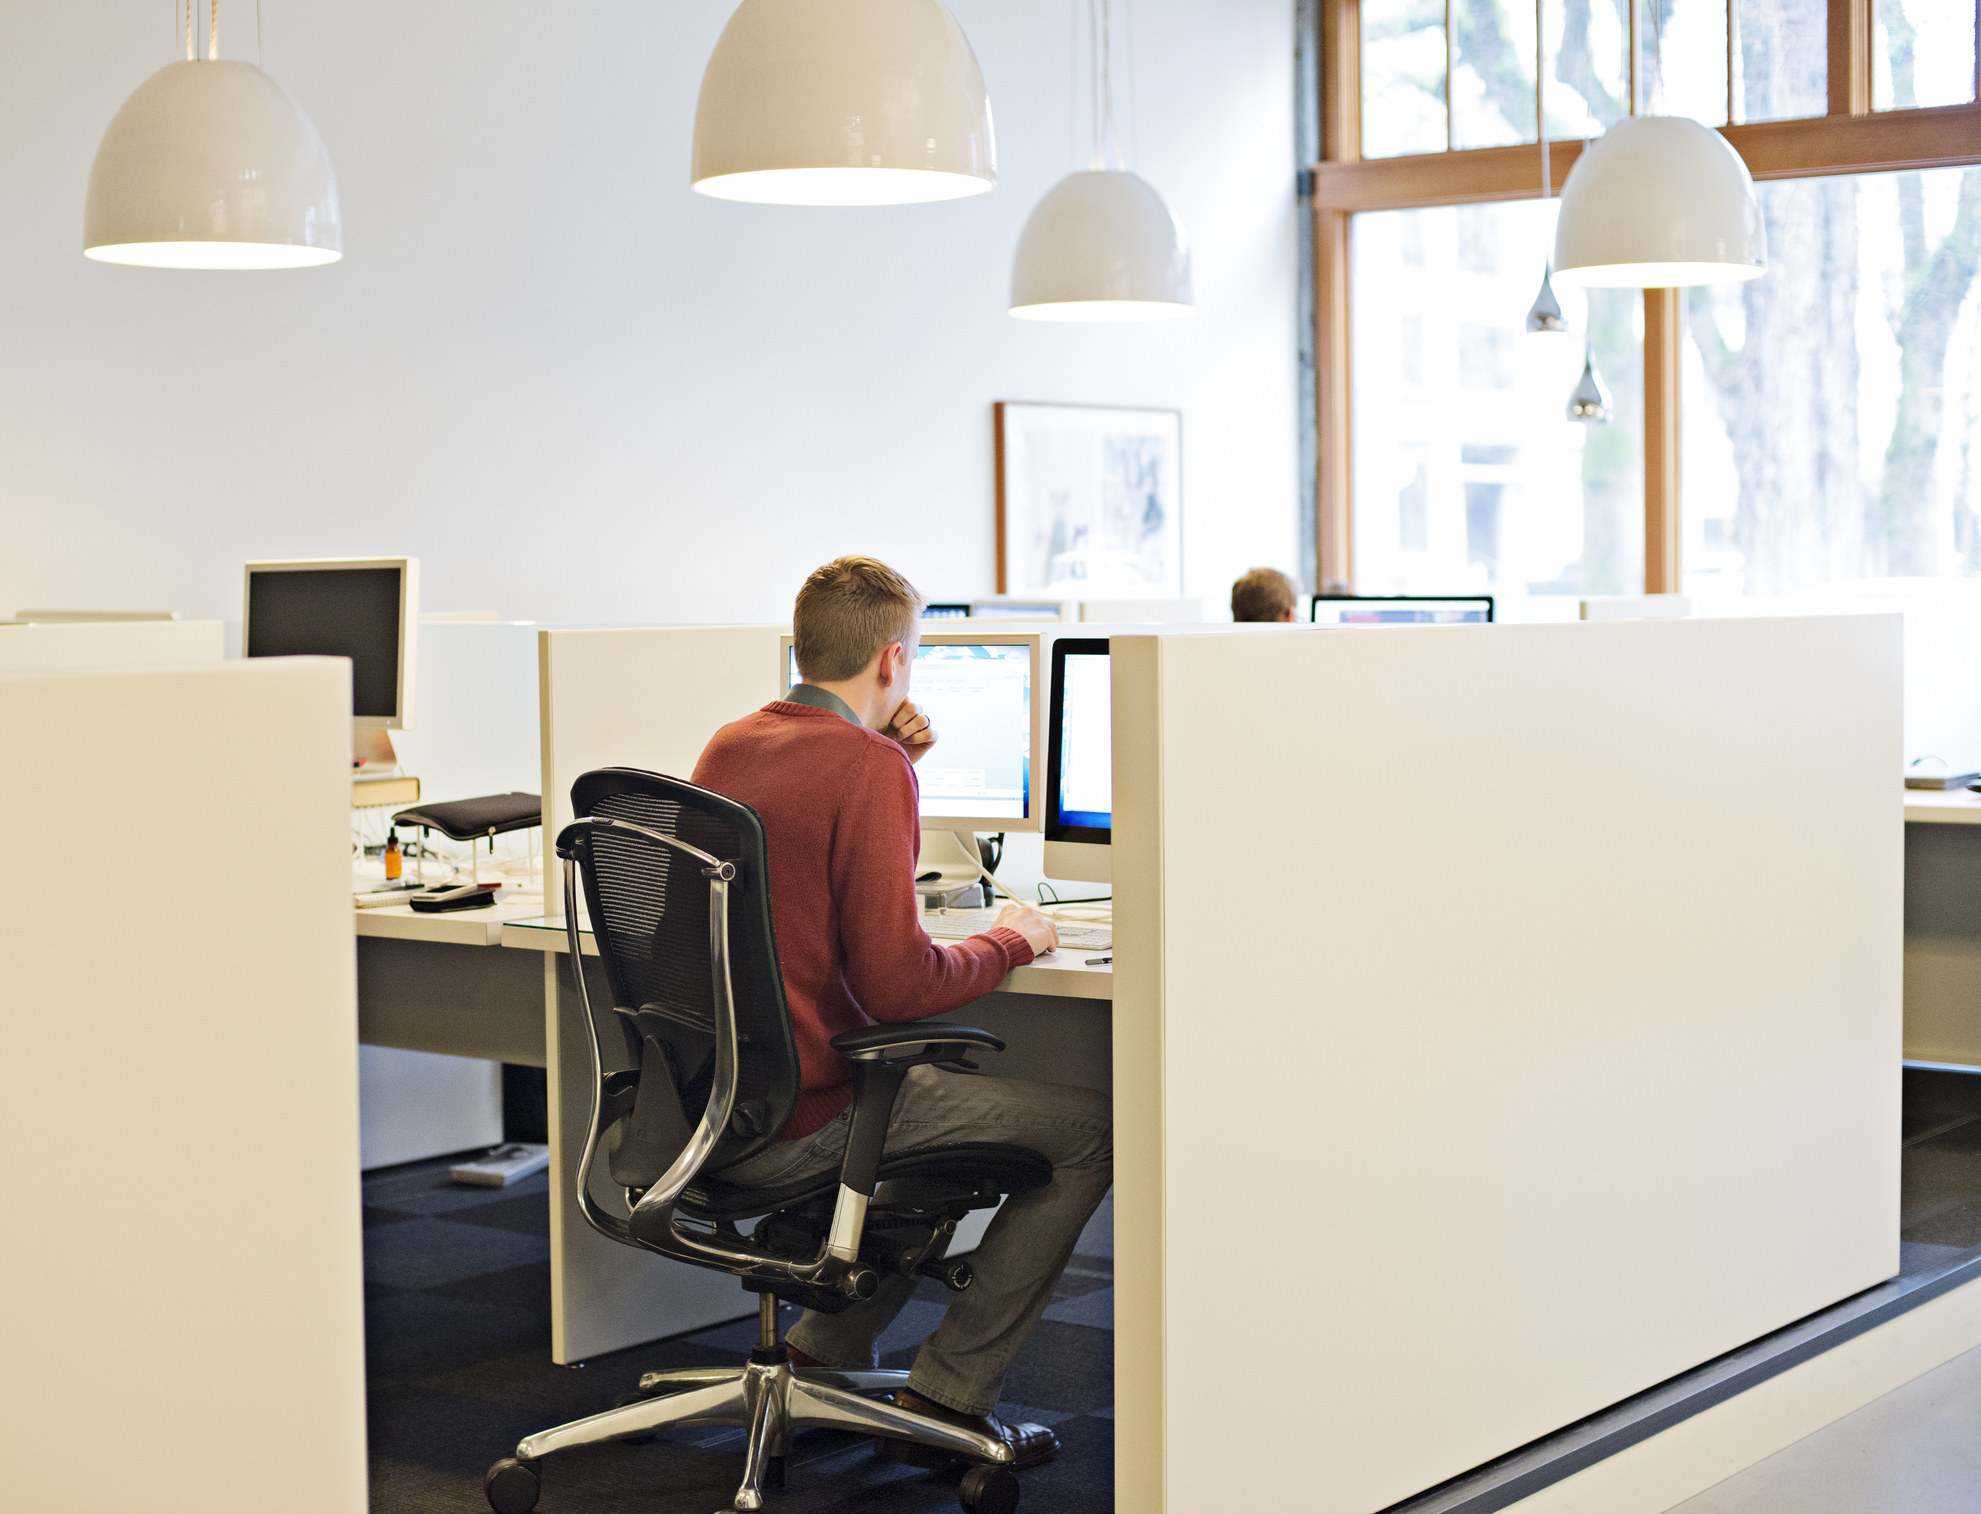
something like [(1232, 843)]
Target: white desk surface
[(1065, 974), (1943, 807), (468, 927)]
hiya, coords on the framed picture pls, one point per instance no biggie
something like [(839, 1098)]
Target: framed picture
[(1089, 500)]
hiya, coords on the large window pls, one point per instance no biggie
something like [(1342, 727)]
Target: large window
[(1818, 427), (1832, 413), (1469, 473)]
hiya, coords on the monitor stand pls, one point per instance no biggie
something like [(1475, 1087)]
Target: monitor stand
[(943, 855), (371, 750)]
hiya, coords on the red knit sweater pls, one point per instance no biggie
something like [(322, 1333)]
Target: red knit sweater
[(840, 807)]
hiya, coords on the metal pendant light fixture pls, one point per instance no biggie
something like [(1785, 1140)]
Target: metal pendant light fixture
[(1589, 401), (1659, 202), (211, 164), (843, 102), (1102, 245), (1544, 315)]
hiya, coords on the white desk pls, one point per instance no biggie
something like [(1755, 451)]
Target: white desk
[(1942, 807), (431, 983)]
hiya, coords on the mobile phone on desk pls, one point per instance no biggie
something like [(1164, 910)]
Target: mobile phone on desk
[(442, 901)]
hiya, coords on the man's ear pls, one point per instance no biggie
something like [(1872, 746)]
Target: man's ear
[(884, 672)]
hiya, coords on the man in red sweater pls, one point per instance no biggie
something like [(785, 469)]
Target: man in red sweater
[(831, 771)]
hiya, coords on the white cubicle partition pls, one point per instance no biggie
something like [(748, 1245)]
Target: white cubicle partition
[(103, 645), (1507, 1019), (181, 1282), (475, 733), (646, 698)]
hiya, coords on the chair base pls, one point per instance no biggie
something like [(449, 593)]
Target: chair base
[(770, 1399)]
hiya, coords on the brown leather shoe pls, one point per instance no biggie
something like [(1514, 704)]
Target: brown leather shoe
[(805, 1363), (1030, 1444)]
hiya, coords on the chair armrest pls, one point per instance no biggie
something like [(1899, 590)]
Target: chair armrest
[(870, 1039), (877, 1079)]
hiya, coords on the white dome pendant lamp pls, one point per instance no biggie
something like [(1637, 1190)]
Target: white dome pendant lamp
[(1102, 245), (1659, 202), (843, 102), (210, 164)]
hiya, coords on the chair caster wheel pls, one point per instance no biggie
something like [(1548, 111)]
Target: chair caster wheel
[(512, 1486), (988, 1490), (625, 1400)]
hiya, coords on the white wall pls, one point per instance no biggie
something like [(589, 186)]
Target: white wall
[(574, 388)]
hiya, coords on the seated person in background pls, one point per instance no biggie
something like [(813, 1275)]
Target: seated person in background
[(831, 771), (1264, 594)]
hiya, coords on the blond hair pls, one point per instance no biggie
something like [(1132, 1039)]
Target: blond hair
[(1263, 594), (846, 613)]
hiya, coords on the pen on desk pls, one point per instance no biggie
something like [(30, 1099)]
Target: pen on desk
[(1098, 961)]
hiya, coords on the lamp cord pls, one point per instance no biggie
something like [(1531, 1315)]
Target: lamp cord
[(213, 35), (1100, 55), (186, 7)]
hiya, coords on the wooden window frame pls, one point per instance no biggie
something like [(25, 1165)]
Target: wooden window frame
[(1851, 139)]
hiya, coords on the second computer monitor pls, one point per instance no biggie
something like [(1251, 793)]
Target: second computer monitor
[(1402, 609), (363, 608), (1079, 794), (977, 688)]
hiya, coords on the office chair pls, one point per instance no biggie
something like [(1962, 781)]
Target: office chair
[(677, 892)]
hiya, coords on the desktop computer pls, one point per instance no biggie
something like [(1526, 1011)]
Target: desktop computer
[(1402, 609), (1079, 789), (977, 690), (363, 608)]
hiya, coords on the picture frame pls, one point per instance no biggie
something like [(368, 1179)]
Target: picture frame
[(1089, 500)]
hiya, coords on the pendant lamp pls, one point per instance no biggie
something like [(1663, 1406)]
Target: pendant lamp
[(1544, 315), (843, 102), (211, 164), (1658, 202), (1589, 401), (1102, 245)]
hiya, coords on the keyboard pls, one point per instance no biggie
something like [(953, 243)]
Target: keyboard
[(959, 923)]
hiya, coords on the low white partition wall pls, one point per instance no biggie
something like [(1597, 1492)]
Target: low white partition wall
[(101, 645), (1507, 1020), (646, 698), (181, 1283)]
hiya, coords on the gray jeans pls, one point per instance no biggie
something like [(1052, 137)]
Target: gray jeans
[(1027, 1246)]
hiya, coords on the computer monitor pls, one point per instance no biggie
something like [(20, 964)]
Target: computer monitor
[(976, 687), (946, 610), (1079, 794), (1003, 607), (1402, 609), (363, 608)]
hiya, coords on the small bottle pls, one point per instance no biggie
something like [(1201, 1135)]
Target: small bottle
[(395, 860)]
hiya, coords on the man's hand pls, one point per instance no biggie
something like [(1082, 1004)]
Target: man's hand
[(1033, 926), (911, 728)]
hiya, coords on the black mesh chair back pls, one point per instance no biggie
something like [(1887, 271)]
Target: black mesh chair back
[(649, 912)]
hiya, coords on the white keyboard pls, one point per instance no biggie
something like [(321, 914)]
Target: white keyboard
[(959, 923)]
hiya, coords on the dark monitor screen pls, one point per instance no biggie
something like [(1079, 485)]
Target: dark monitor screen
[(1402, 609), (1080, 743), (332, 612)]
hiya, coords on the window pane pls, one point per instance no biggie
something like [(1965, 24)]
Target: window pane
[(1402, 77), (1684, 59), (1588, 66), (1468, 474), (1492, 75), (1832, 422), (1922, 53), (1781, 59)]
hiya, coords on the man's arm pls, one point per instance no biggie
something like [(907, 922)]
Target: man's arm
[(892, 968)]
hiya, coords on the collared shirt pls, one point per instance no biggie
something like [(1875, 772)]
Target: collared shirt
[(822, 699)]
